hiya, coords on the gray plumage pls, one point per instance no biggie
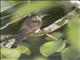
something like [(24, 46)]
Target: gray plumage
[(30, 25)]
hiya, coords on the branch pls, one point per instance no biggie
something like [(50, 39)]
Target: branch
[(54, 26), (57, 24)]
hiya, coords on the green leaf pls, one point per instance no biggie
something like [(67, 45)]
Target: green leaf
[(10, 53), (49, 48), (70, 54), (7, 53), (62, 47), (25, 9), (24, 50), (73, 32)]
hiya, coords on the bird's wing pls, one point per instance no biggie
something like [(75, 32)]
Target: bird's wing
[(26, 29)]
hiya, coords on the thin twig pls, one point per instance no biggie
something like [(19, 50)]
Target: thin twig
[(51, 36)]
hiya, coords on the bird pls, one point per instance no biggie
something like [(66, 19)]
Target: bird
[(32, 24)]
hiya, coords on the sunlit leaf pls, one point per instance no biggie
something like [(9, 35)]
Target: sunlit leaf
[(73, 32), (24, 50), (49, 48), (15, 53), (10, 53)]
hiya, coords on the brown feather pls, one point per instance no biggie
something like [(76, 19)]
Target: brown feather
[(28, 26)]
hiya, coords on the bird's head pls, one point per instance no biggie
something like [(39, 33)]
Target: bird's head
[(38, 16)]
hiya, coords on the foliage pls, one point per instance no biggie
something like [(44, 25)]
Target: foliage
[(64, 40)]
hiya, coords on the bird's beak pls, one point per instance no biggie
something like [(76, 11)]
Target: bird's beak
[(43, 15)]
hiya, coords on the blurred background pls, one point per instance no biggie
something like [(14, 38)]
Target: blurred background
[(64, 46)]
